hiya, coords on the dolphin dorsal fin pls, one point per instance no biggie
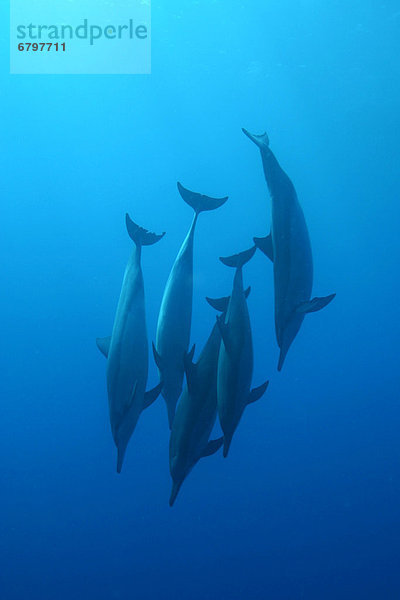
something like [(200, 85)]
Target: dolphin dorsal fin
[(103, 345), (315, 304), (257, 393), (265, 245)]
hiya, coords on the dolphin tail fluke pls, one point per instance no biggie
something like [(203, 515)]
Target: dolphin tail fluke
[(141, 236), (262, 141), (238, 260), (198, 202), (174, 492), (315, 304)]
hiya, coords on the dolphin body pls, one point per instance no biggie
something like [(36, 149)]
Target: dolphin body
[(197, 409), (174, 320), (235, 361), (126, 349), (288, 246), (196, 414)]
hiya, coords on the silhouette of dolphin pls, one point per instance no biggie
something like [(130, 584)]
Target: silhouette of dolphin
[(174, 320), (197, 409), (235, 361), (288, 246), (196, 414), (126, 349)]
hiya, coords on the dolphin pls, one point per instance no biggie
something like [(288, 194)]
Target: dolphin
[(197, 409), (126, 349), (196, 414), (235, 361), (288, 247), (174, 319)]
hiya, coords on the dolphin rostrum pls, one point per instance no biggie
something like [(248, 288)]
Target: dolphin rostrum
[(235, 362), (174, 319), (288, 246), (127, 348)]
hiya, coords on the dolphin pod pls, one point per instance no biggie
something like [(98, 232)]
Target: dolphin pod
[(175, 317), (288, 247), (219, 383), (126, 349)]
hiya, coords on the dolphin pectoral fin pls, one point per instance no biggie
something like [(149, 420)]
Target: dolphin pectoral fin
[(265, 245), (190, 367), (315, 304), (103, 345), (157, 358), (257, 393), (152, 395), (212, 447), (261, 141)]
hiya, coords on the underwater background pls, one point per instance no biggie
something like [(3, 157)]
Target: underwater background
[(307, 503)]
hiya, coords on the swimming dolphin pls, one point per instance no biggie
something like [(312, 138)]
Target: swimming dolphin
[(174, 320), (197, 409), (235, 361), (196, 414), (127, 349), (288, 246)]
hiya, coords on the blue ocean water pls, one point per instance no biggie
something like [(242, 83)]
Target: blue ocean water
[(306, 506)]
